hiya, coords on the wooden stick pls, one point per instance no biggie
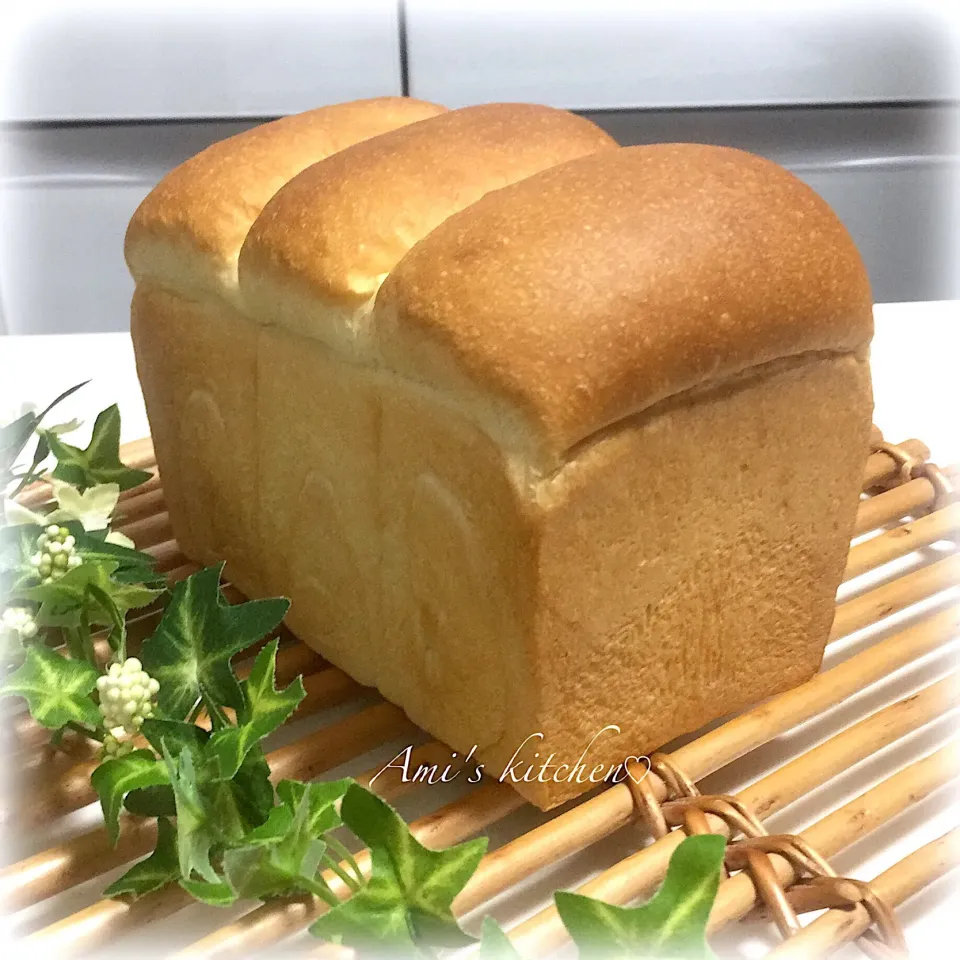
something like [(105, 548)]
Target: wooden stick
[(905, 879), (881, 467), (148, 531), (895, 596), (717, 748), (904, 500), (901, 541), (140, 505), (639, 874), (845, 826), (167, 555)]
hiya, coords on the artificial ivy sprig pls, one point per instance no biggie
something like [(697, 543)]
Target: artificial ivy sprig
[(100, 461)]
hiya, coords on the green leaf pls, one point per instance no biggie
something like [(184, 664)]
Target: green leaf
[(158, 801), (408, 897), (174, 735), (322, 798), (218, 894), (265, 709), (87, 589), (156, 871), (114, 779), (196, 832), (100, 461), (151, 802), (494, 943), (190, 652), (672, 924), (57, 690), (281, 858), (129, 566)]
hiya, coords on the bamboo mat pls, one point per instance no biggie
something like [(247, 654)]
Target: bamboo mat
[(884, 698)]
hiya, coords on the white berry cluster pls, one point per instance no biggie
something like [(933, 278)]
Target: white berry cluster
[(18, 620), (126, 697), (56, 554), (113, 748)]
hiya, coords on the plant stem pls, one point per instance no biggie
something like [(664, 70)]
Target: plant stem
[(85, 731), (218, 719), (334, 844), (341, 873), (321, 890), (195, 712)]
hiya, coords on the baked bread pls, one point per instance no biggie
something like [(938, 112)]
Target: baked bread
[(591, 457), (196, 350)]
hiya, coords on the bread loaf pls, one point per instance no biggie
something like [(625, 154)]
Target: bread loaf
[(581, 476), (196, 350)]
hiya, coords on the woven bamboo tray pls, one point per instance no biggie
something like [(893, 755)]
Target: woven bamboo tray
[(896, 616)]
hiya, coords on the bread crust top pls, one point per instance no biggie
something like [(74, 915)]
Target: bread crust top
[(337, 229), (187, 232), (591, 291)]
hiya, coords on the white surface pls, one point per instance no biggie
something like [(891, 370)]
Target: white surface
[(608, 54), (914, 366), (112, 59)]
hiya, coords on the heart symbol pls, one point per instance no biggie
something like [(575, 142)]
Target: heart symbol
[(631, 765)]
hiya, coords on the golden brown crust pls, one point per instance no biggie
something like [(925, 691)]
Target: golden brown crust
[(593, 290), (189, 229), (338, 228)]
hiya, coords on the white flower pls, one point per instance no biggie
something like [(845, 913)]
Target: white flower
[(127, 693), (120, 539), (92, 508)]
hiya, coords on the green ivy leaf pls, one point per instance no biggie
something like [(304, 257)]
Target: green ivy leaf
[(174, 735), (100, 461), (199, 634), (87, 590), (322, 799), (265, 709), (672, 924), (218, 894), (158, 801), (494, 943), (154, 872), (197, 834), (281, 858), (129, 565), (114, 779), (57, 690), (408, 897)]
